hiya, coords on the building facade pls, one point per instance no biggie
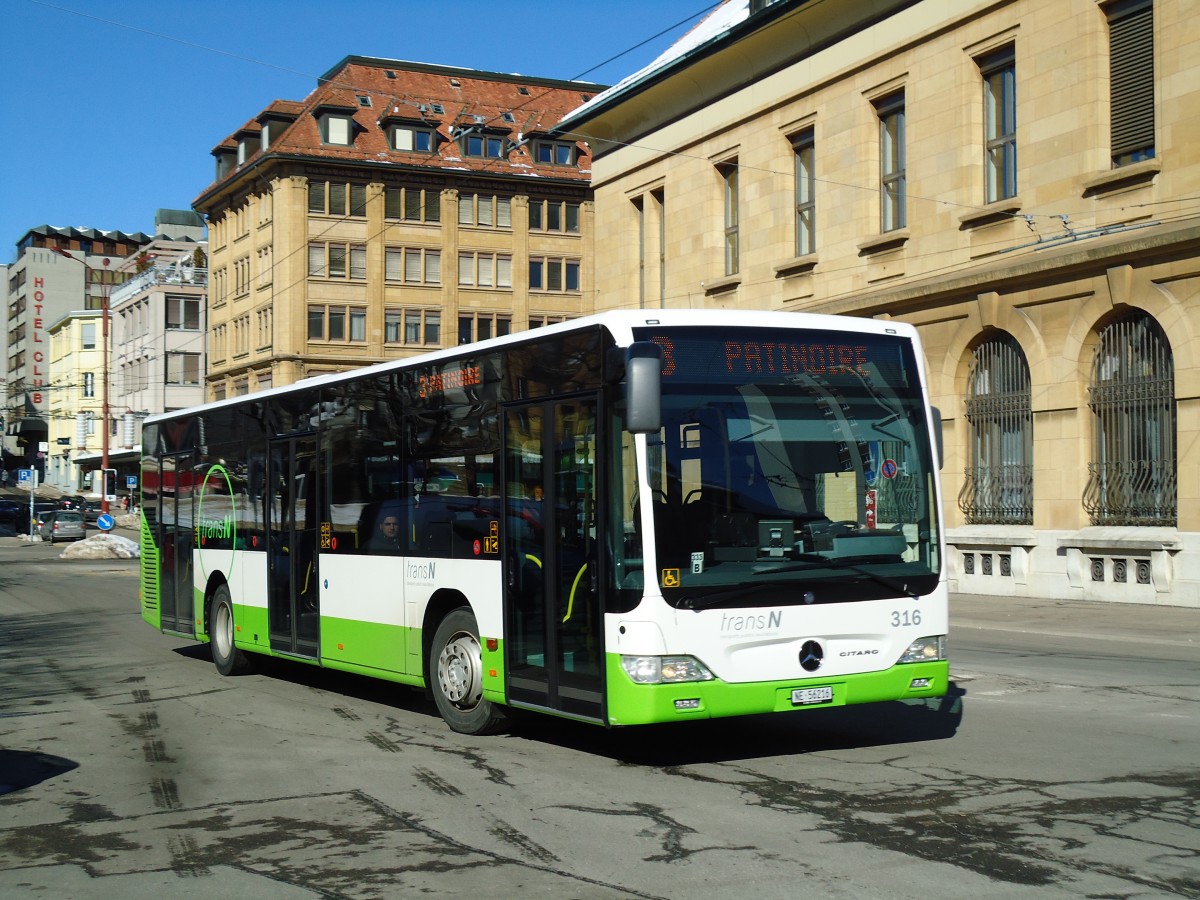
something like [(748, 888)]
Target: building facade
[(75, 410), (57, 270), (399, 208), (1016, 178)]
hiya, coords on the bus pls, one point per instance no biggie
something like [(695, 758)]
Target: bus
[(631, 518)]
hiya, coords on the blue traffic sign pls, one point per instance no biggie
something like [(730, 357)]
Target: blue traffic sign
[(105, 522)]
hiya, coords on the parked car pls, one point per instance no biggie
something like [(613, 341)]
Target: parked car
[(12, 514), (63, 525), (91, 511)]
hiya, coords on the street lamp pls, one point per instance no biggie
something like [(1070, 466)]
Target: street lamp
[(105, 291)]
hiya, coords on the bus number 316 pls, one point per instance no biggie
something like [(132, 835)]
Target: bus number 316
[(902, 618)]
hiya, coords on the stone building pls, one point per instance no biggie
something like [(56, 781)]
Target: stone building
[(398, 208), (1018, 179)]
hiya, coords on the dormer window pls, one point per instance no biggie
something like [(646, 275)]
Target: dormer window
[(554, 153), (336, 123), (248, 145), (226, 162), (364, 101), (412, 139), (481, 145)]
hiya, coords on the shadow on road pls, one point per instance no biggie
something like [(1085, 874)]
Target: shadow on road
[(25, 768), (682, 743)]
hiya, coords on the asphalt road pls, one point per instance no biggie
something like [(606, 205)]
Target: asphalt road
[(1064, 765)]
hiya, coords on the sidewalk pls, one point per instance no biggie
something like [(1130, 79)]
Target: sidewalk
[(1173, 625)]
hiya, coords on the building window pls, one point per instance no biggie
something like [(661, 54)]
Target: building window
[(999, 71), (547, 273), (1131, 73), (892, 164), (485, 270), (412, 326), (183, 313), (89, 384), (412, 265), (730, 187), (337, 130), (183, 368), (484, 211), (554, 153), (481, 326), (482, 146), (336, 260), (87, 334), (337, 198), (335, 322), (554, 215), (536, 321), (266, 265), (412, 140), (998, 483), (804, 152), (412, 204), (1132, 475)]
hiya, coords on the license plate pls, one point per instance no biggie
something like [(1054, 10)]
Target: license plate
[(808, 696)]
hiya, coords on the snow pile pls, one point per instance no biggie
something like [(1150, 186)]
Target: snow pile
[(102, 546)]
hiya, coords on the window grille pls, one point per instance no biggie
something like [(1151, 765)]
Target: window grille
[(1132, 475), (998, 482)]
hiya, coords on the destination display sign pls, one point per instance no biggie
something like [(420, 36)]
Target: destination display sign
[(722, 354)]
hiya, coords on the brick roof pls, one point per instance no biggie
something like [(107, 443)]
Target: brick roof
[(405, 91)]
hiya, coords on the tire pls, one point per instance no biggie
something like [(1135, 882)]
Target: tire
[(228, 659), (456, 676)]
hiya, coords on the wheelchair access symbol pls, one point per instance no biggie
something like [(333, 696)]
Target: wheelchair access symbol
[(670, 578)]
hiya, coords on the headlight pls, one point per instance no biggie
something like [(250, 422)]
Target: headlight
[(664, 669), (926, 649)]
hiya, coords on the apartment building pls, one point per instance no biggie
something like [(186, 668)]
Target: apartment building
[(399, 208), (1016, 178)]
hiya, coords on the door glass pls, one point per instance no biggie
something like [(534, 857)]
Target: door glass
[(525, 540), (576, 614)]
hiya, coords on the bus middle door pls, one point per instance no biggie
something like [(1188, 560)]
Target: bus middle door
[(553, 617), (292, 595)]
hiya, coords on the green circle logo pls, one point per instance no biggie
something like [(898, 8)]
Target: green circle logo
[(218, 520)]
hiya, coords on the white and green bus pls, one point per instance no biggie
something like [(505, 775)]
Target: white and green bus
[(624, 519)]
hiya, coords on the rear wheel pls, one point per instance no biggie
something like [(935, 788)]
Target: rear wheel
[(456, 676), (228, 659)]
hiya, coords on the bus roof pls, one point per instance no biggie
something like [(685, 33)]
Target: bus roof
[(619, 323)]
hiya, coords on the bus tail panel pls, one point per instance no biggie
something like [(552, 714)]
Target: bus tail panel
[(148, 578), (638, 704)]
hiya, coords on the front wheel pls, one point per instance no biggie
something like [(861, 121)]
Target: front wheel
[(228, 659), (456, 676)]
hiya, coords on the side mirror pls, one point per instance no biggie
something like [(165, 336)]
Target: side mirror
[(643, 387)]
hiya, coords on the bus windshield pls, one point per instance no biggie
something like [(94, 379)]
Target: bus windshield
[(792, 467)]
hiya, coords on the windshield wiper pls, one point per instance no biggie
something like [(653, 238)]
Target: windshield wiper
[(718, 597), (816, 561)]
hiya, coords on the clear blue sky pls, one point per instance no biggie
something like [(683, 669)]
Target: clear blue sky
[(113, 107)]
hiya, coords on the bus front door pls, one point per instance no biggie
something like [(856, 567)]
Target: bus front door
[(176, 598), (553, 619), (292, 595)]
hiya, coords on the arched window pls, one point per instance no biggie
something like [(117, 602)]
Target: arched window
[(998, 487), (1132, 475)]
